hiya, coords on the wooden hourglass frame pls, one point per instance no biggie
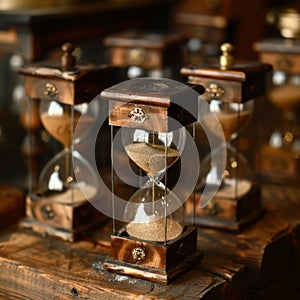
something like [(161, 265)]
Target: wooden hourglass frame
[(152, 245), (56, 203), (230, 86)]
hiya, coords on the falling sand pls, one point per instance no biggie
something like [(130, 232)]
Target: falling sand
[(150, 158)]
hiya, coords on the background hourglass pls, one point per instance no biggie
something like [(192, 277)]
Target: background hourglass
[(146, 53), (238, 176), (57, 203), (154, 243), (230, 89), (204, 33), (58, 179), (281, 147)]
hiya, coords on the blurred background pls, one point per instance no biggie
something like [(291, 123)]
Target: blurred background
[(32, 30)]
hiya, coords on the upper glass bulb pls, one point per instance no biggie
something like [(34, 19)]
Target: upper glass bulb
[(233, 118), (60, 120), (153, 152)]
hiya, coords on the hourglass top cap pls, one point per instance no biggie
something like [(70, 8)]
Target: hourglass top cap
[(156, 99), (67, 68), (66, 81), (226, 67), (237, 80), (146, 49)]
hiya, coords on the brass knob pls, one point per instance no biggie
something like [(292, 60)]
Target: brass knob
[(226, 59), (138, 254), (50, 90), (138, 115), (215, 91), (289, 23), (135, 56), (68, 60)]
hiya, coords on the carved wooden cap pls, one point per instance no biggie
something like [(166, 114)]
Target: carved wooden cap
[(159, 98), (68, 60), (228, 79), (66, 80)]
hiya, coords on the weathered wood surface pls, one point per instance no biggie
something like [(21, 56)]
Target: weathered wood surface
[(33, 267), (259, 248), (270, 248), (261, 262)]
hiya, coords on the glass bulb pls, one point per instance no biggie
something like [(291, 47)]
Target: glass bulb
[(233, 118), (285, 96), (154, 213), (235, 181), (57, 179), (60, 119), (153, 152), (237, 178)]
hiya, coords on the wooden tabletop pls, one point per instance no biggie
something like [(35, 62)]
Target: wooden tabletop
[(257, 263)]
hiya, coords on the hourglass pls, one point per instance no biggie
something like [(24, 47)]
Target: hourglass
[(281, 149), (204, 34), (230, 91), (153, 153), (154, 243), (57, 203), (146, 53)]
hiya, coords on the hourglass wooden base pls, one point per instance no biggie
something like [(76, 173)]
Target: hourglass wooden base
[(63, 220), (279, 165), (157, 262), (226, 213)]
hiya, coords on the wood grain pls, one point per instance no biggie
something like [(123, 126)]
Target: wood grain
[(261, 262), (35, 268)]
